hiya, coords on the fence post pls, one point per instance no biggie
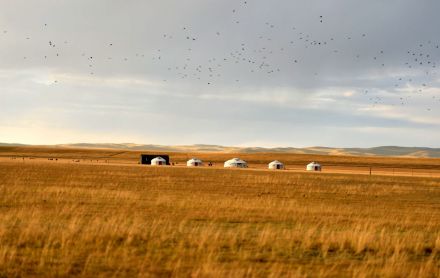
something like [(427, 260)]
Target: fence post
[(370, 170)]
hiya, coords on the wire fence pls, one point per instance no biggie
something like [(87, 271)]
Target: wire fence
[(419, 171)]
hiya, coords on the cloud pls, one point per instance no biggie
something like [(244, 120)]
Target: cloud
[(198, 71)]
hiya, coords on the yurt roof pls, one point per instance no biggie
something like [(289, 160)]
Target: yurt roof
[(276, 162), (313, 164), (235, 160), (195, 160), (158, 158)]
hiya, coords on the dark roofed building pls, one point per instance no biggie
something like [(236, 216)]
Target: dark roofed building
[(146, 158)]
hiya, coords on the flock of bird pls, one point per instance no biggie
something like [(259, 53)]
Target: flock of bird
[(263, 58)]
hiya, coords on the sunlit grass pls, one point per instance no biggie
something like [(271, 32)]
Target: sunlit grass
[(73, 219)]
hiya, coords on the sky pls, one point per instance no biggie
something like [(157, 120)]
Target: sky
[(339, 73)]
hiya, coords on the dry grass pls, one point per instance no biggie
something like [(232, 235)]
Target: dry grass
[(102, 220), (254, 159)]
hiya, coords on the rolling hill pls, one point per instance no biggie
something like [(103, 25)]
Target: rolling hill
[(375, 151)]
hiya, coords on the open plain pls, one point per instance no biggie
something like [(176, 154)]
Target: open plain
[(84, 212)]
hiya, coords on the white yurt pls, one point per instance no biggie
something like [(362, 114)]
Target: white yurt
[(276, 165), (194, 162), (158, 161), (236, 163), (313, 166)]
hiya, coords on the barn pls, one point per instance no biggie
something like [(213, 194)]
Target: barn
[(194, 162), (147, 158), (313, 166), (235, 163), (276, 165)]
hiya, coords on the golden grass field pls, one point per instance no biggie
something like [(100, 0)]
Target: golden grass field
[(112, 217)]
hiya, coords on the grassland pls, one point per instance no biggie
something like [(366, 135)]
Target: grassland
[(257, 160), (61, 219)]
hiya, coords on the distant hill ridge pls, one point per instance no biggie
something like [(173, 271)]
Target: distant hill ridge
[(375, 151)]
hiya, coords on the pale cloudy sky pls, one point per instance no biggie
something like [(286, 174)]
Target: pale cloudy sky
[(243, 73)]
